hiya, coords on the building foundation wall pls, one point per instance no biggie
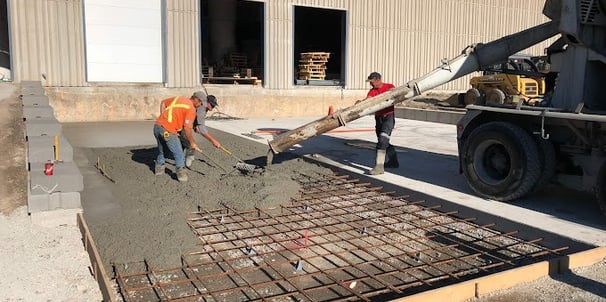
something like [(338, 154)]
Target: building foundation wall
[(126, 103)]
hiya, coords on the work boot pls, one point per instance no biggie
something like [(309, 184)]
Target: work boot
[(159, 169), (392, 158), (189, 156), (379, 169), (189, 160), (181, 175)]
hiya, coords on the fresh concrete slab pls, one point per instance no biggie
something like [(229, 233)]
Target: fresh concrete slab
[(428, 167)]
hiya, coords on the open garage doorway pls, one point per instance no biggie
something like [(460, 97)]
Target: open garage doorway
[(232, 41), (5, 54), (319, 46)]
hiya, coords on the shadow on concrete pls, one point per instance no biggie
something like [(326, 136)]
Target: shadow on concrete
[(443, 170)]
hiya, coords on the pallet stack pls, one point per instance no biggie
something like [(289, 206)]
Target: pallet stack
[(312, 65)]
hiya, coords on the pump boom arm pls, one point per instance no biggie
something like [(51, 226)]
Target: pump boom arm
[(471, 59)]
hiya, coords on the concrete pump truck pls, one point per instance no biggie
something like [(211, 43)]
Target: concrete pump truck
[(509, 150)]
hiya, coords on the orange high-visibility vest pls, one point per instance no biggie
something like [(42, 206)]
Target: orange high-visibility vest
[(178, 113)]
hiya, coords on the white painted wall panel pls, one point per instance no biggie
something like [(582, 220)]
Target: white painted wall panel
[(124, 40)]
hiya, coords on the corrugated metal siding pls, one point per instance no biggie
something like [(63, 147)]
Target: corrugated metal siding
[(183, 43), (47, 39), (279, 69), (401, 39)]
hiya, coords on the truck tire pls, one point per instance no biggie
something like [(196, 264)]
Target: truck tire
[(473, 96), (495, 96), (547, 159), (500, 161)]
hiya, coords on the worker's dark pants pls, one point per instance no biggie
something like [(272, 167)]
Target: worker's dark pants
[(383, 127)]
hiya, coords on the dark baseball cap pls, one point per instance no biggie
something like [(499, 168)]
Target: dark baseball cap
[(212, 100), (374, 76)]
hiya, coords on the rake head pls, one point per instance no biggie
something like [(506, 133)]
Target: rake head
[(244, 167)]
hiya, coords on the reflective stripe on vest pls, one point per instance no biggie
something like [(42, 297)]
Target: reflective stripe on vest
[(172, 106)]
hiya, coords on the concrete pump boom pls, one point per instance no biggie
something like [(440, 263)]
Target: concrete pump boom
[(472, 59)]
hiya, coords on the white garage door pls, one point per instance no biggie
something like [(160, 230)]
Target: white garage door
[(123, 40)]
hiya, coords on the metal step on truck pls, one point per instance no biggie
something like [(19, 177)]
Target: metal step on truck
[(508, 150)]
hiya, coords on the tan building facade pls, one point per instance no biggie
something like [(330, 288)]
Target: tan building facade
[(52, 41)]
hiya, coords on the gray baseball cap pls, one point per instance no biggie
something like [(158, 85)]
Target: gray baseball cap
[(200, 95)]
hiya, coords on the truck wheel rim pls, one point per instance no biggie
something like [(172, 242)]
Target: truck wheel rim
[(492, 162)]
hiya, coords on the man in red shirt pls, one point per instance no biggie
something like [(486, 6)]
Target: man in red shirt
[(384, 123), (176, 114)]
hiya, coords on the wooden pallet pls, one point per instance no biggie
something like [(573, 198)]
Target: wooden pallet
[(315, 55), (239, 60), (312, 65), (233, 80)]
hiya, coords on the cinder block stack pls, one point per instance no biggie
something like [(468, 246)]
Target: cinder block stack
[(46, 144), (312, 65)]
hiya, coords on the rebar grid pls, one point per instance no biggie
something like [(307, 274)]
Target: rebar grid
[(340, 241)]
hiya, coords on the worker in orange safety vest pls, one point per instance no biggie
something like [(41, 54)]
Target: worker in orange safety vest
[(176, 114)]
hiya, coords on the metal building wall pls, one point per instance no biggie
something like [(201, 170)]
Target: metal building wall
[(401, 39), (47, 41), (182, 43)]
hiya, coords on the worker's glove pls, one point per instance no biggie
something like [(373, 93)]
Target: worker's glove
[(194, 146)]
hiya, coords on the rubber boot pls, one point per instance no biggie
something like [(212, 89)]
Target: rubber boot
[(392, 158), (159, 169), (181, 175), (379, 169)]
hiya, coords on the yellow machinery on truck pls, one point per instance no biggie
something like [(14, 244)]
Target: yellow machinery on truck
[(517, 81)]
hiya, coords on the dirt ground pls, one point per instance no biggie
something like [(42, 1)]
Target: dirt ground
[(12, 161)]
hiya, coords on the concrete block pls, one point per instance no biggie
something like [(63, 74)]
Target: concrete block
[(33, 90), (53, 201), (70, 200), (66, 178), (43, 126), (55, 218), (420, 115), (432, 116), (37, 112), (31, 84), (36, 203), (41, 149), (39, 152), (35, 100)]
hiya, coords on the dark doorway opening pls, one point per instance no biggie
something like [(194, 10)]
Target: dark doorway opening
[(319, 46), (5, 54), (232, 41)]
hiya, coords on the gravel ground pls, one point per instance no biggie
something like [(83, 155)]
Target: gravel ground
[(586, 284), (43, 263)]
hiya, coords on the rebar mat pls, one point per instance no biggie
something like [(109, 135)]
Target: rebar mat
[(340, 241)]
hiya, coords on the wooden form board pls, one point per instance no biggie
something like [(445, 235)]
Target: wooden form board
[(95, 259), (507, 279)]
